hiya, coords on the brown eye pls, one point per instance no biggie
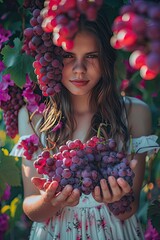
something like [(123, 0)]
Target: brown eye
[(92, 56), (67, 55)]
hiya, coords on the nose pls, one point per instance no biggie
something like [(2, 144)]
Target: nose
[(79, 66)]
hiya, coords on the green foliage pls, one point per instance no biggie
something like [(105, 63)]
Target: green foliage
[(9, 172), (154, 214), (17, 64), (15, 18)]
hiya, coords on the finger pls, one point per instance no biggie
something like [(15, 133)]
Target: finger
[(46, 185), (124, 185), (50, 191), (66, 192), (107, 196), (73, 199), (97, 194), (133, 163), (38, 182), (115, 188)]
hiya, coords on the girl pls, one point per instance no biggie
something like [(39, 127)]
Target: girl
[(89, 97)]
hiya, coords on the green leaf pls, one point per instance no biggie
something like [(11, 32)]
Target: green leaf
[(18, 71), (20, 2), (2, 188), (10, 54), (120, 68), (154, 214), (17, 64), (114, 3), (9, 172)]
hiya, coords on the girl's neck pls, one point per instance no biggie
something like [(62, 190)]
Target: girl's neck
[(80, 105)]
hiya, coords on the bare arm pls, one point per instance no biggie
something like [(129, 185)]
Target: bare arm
[(41, 205), (139, 123)]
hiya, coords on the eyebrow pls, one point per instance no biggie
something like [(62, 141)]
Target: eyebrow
[(94, 52)]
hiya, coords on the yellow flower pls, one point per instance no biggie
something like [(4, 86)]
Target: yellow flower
[(12, 207), (5, 151)]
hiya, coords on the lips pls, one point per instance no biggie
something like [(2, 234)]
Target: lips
[(79, 83)]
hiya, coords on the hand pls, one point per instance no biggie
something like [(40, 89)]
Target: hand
[(114, 190), (67, 197)]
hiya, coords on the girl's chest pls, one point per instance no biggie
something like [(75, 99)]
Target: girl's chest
[(83, 125)]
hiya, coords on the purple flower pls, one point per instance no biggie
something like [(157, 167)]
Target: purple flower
[(7, 193), (33, 99), (4, 35), (57, 127), (2, 66), (6, 81), (151, 233), (4, 222), (29, 146)]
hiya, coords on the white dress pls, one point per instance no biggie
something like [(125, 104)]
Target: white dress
[(90, 220)]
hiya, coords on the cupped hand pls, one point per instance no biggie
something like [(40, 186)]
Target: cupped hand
[(114, 190), (67, 197)]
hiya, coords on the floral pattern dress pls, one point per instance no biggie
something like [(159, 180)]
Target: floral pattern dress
[(90, 220)]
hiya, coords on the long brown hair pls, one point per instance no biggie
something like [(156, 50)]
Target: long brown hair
[(105, 100)]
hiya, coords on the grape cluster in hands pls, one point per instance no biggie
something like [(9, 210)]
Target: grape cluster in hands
[(137, 30), (83, 165), (61, 18)]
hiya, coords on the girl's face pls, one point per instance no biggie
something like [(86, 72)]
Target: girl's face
[(81, 71)]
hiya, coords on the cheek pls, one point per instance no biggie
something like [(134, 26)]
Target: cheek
[(64, 73)]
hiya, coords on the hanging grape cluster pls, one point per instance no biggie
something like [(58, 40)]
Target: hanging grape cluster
[(53, 27), (29, 146), (83, 165), (48, 57), (61, 18), (10, 102), (137, 30)]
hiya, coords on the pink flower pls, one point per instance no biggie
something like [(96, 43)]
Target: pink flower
[(2, 66), (29, 145), (142, 84), (33, 99), (124, 84), (7, 193), (103, 223), (154, 94), (6, 81), (4, 35), (57, 127), (4, 222), (151, 233)]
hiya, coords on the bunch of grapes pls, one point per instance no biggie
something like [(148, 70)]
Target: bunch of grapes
[(48, 57), (83, 165), (10, 104), (52, 28), (61, 18), (33, 4), (137, 30), (29, 146)]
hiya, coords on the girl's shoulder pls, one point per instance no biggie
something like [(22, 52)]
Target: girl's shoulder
[(26, 124), (132, 102), (138, 116)]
